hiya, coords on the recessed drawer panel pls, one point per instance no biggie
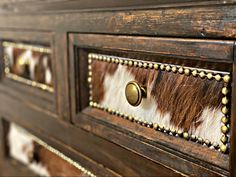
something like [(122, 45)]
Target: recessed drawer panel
[(29, 64), (28, 68), (38, 156), (176, 100)]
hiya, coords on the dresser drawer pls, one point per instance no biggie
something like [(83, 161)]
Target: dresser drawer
[(28, 70), (172, 94), (40, 157)]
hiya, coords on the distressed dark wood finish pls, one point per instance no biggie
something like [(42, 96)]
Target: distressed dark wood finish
[(233, 120), (50, 117), (181, 21), (201, 156), (31, 96), (206, 50), (104, 152), (34, 6)]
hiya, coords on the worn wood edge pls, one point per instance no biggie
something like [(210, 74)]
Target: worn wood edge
[(123, 22), (172, 46), (85, 6), (233, 121), (141, 134)]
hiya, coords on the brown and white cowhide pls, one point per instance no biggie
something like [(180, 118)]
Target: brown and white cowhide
[(173, 100), (40, 160), (29, 64)]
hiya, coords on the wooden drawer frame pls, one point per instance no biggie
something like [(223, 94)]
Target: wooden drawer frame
[(190, 52), (31, 96)]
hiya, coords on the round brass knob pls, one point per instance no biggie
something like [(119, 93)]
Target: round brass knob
[(134, 93)]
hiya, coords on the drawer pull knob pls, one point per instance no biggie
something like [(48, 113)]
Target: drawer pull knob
[(134, 93)]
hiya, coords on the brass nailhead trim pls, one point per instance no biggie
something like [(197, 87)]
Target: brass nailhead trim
[(209, 74), (60, 154), (21, 79), (27, 47)]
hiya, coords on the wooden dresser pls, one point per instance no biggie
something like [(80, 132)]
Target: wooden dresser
[(117, 88)]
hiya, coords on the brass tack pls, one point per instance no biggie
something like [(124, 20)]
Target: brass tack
[(202, 74), (150, 65), (207, 142), (185, 135), (224, 110), (200, 140), (161, 127), (89, 60), (209, 76), (168, 68), (140, 64), (224, 129), (162, 67), (224, 139), (126, 62), (173, 131), (174, 69), (135, 63), (109, 110), (155, 126), (89, 67), (215, 145), (226, 78), (223, 148), (156, 66), (218, 77), (100, 57), (117, 61), (224, 120), (90, 55), (224, 90), (121, 61), (89, 79), (90, 73), (225, 100), (90, 103), (117, 113), (181, 70), (145, 65), (94, 104), (131, 118), (179, 132), (130, 63), (193, 137), (187, 72), (150, 125), (194, 73), (104, 58)]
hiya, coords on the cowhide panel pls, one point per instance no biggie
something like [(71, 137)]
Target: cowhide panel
[(26, 149), (34, 65), (176, 101)]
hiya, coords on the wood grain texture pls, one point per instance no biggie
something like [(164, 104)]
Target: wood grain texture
[(34, 6), (29, 95), (217, 50), (203, 22), (104, 152), (233, 121)]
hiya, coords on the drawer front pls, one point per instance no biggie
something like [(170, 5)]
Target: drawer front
[(29, 70), (180, 101), (38, 156), (167, 99), (28, 64)]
